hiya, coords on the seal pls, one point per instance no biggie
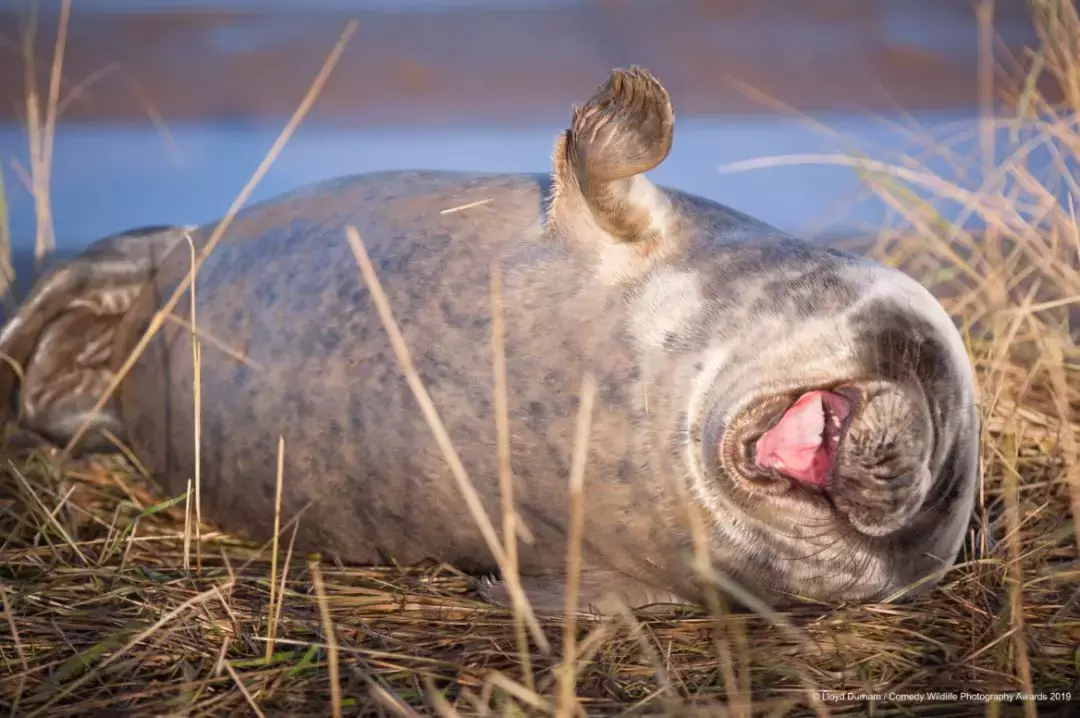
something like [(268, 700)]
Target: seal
[(814, 409), (61, 338)]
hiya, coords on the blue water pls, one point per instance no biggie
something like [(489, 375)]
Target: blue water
[(109, 178)]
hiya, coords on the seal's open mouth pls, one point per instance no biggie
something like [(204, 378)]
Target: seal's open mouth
[(802, 443)]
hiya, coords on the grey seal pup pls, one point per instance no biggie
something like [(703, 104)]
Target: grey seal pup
[(816, 407)]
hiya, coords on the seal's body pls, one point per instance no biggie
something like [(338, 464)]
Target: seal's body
[(815, 410)]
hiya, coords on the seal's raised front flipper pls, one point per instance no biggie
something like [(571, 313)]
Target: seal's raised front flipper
[(60, 340), (602, 199)]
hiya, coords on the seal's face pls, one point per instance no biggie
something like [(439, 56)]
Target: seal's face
[(861, 444), (864, 447), (836, 426)]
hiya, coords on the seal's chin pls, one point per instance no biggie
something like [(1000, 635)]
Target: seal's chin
[(789, 441)]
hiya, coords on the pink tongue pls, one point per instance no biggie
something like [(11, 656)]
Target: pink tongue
[(795, 446)]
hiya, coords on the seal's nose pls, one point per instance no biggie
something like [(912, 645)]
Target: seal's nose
[(802, 443)]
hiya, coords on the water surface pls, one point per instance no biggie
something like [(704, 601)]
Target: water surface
[(109, 178)]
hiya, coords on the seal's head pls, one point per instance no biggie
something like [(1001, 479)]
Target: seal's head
[(839, 427), (820, 406)]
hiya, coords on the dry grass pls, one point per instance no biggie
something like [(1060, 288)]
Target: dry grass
[(104, 613)]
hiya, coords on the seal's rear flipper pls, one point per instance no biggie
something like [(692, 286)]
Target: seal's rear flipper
[(59, 342), (624, 130)]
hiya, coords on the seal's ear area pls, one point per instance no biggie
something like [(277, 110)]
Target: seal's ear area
[(622, 131)]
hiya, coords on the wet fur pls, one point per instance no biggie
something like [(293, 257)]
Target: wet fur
[(688, 312)]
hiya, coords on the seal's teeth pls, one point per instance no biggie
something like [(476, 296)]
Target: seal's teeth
[(779, 465)]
